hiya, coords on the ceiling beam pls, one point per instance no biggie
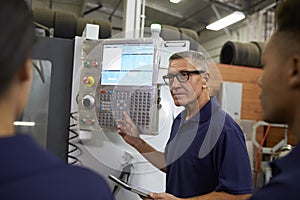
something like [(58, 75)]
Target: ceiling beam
[(83, 6), (219, 17), (113, 12), (92, 9), (260, 5), (163, 9), (222, 5), (192, 15), (228, 5)]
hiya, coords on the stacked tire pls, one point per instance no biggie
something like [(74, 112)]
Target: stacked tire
[(66, 25), (243, 54)]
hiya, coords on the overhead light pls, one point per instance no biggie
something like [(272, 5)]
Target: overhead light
[(175, 1), (226, 21), (22, 123)]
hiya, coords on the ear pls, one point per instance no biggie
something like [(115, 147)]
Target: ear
[(205, 82), (25, 72), (206, 76), (294, 70)]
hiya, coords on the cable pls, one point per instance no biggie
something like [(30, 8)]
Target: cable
[(43, 27), (258, 152), (71, 115), (72, 130)]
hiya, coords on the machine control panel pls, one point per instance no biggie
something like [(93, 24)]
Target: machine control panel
[(117, 76)]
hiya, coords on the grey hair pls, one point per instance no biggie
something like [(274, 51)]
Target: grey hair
[(198, 59)]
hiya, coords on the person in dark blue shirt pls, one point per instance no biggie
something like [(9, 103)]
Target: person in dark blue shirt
[(27, 171), (280, 97), (205, 156)]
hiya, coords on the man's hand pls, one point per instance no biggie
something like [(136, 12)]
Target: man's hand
[(131, 134), (128, 130), (162, 196)]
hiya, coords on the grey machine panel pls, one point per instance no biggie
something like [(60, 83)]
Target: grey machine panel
[(119, 75), (60, 53)]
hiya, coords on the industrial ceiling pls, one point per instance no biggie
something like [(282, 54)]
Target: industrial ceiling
[(192, 14)]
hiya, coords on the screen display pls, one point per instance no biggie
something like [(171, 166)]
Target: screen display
[(127, 64)]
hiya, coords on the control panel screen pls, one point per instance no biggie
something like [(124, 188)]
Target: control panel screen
[(127, 64)]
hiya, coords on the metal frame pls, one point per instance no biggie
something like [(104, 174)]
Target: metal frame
[(269, 150)]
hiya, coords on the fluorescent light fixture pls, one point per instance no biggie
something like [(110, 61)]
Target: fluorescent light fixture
[(19, 123), (175, 1), (226, 21)]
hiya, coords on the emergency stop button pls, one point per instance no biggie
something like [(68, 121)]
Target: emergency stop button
[(89, 81)]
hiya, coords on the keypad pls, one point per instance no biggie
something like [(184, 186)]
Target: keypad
[(113, 103)]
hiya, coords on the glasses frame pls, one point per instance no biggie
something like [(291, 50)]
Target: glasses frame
[(188, 73)]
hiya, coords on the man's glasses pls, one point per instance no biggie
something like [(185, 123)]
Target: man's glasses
[(182, 76)]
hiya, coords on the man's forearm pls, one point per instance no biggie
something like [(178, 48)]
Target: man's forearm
[(152, 155), (221, 196)]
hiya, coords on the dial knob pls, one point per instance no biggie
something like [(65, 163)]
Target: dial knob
[(88, 101)]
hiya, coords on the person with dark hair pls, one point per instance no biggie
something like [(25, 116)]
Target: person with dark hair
[(280, 97), (206, 155), (27, 171)]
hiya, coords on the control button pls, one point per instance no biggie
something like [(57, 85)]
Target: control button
[(94, 63), (102, 91), (88, 101), (89, 81), (86, 64), (90, 63), (85, 121), (82, 120), (90, 121)]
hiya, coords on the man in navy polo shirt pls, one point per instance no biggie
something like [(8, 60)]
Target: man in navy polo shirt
[(206, 155), (280, 98)]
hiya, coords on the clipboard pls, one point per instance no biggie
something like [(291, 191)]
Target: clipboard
[(140, 191)]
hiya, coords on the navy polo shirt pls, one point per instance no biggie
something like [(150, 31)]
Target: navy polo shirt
[(207, 153), (29, 172), (284, 183)]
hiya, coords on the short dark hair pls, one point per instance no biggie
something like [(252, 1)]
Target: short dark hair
[(287, 28), (287, 16), (16, 39), (198, 58)]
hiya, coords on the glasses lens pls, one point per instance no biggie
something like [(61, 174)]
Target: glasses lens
[(183, 77), (167, 79)]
